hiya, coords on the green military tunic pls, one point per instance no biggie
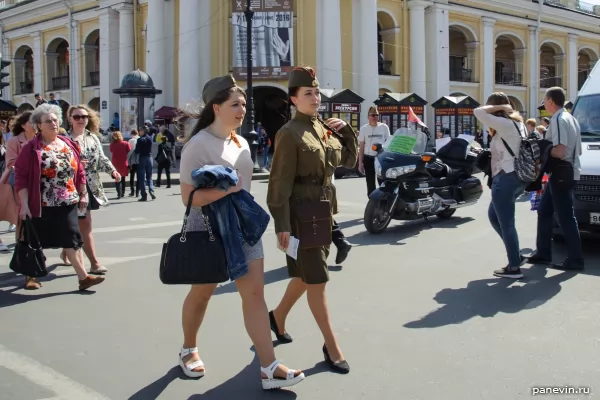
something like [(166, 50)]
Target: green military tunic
[(305, 152)]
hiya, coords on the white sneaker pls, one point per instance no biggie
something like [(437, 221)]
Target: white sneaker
[(3, 247), (12, 228)]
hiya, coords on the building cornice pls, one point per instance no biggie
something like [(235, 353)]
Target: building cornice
[(583, 20)]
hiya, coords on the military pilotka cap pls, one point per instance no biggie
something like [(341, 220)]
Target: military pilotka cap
[(216, 86), (373, 111), (303, 77)]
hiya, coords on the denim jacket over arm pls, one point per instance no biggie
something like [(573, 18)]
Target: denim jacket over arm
[(239, 218)]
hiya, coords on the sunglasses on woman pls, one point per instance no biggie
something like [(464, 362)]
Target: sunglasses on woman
[(80, 117)]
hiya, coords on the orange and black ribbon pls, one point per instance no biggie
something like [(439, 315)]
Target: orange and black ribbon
[(235, 140)]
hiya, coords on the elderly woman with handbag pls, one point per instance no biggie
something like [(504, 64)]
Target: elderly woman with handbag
[(50, 182)]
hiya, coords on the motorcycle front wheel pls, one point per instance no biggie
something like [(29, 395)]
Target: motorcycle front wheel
[(377, 217)]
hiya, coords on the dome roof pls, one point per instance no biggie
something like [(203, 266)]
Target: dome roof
[(137, 84), (137, 79)]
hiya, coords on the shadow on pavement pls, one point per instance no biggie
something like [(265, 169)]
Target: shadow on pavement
[(488, 297), (17, 282), (351, 223), (245, 385), (395, 234)]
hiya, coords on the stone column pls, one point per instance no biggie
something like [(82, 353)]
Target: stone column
[(572, 85), (126, 39), (330, 74), (488, 78), (356, 43), (559, 62), (418, 49), (489, 57), (189, 78), (473, 60), (109, 65), (437, 56), (75, 64), (205, 42), (38, 66), (534, 72), (156, 54), (369, 78)]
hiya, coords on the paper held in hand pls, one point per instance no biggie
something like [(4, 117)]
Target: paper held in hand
[(292, 249)]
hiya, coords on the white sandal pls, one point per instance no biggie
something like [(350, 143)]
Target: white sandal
[(273, 382), (189, 368)]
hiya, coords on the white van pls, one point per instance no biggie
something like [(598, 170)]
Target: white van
[(587, 191)]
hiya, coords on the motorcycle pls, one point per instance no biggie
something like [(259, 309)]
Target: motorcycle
[(418, 184)]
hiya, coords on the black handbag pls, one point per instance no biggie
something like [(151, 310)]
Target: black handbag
[(197, 257), (28, 257)]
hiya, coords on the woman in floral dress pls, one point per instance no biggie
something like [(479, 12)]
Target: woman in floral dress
[(50, 182), (85, 124)]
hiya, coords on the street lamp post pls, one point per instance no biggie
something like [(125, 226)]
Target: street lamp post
[(248, 131)]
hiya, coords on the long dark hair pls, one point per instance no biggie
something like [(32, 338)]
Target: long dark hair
[(207, 116), (19, 121)]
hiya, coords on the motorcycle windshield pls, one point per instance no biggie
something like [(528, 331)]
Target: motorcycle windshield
[(406, 141)]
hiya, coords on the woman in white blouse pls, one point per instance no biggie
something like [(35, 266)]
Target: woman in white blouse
[(507, 128)]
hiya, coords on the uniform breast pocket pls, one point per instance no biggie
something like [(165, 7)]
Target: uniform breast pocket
[(309, 153), (335, 154)]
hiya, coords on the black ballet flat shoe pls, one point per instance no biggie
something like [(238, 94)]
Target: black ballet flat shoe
[(285, 338), (341, 367)]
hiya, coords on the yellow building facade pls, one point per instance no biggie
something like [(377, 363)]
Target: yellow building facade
[(431, 48)]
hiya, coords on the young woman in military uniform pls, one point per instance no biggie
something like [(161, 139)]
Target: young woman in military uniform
[(307, 151)]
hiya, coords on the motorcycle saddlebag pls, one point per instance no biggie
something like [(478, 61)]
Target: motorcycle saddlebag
[(469, 189)]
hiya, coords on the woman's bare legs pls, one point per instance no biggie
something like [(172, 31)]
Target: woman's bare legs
[(76, 259), (317, 301), (85, 227), (256, 315), (194, 309), (294, 291)]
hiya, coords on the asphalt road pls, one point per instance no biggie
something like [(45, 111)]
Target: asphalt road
[(417, 311)]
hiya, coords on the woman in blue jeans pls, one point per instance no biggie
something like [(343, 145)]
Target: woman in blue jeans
[(507, 128)]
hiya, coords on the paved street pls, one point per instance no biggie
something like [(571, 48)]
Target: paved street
[(417, 311)]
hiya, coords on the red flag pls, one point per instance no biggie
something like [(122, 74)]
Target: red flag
[(412, 117)]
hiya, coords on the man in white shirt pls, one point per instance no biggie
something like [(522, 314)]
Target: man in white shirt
[(372, 133), (565, 169)]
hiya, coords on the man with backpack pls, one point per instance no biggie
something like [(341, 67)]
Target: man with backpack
[(564, 168)]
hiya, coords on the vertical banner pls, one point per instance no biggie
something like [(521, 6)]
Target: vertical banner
[(272, 39)]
